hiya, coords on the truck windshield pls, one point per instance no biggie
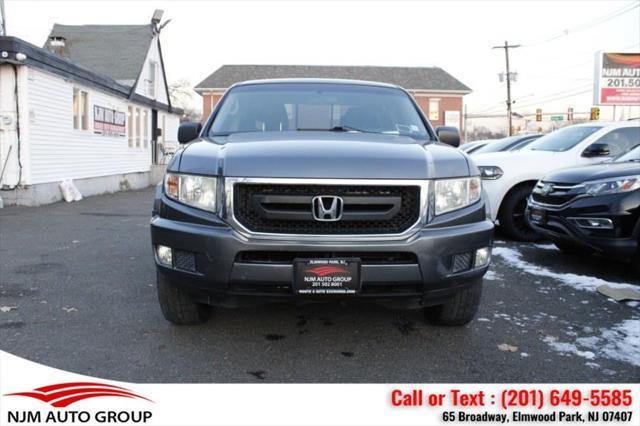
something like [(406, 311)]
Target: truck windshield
[(563, 139), (277, 107)]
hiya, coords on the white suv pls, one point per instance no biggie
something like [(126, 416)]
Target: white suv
[(508, 177)]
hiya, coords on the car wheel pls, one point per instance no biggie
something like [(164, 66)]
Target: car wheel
[(177, 306), (460, 309), (572, 249), (513, 222)]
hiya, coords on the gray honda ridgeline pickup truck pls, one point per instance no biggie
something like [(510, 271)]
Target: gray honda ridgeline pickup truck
[(320, 190)]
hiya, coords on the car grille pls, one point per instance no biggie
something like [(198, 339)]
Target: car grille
[(287, 208), (288, 257), (555, 194)]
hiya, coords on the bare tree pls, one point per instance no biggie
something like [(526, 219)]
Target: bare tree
[(183, 96)]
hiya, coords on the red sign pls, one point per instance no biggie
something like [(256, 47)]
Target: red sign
[(617, 79)]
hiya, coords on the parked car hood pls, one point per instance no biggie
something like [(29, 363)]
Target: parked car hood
[(525, 158), (581, 174), (320, 155)]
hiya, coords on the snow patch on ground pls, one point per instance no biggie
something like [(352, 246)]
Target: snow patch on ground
[(545, 246), (581, 282), (493, 276), (567, 348), (620, 342)]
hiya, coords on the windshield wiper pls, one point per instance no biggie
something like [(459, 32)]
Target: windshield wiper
[(338, 129)]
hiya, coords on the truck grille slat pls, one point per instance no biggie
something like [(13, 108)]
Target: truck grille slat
[(287, 209)]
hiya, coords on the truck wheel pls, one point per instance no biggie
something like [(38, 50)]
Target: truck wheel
[(512, 216), (177, 306), (635, 261), (572, 249), (460, 309)]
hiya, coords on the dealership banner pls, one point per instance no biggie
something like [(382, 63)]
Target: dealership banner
[(617, 79), (34, 394)]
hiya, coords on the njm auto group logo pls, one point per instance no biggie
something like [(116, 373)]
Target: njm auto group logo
[(61, 396)]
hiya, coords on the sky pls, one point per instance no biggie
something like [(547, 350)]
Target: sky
[(555, 64)]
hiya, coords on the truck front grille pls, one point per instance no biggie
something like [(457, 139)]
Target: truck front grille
[(287, 208)]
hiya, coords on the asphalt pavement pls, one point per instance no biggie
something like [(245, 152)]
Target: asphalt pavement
[(77, 292)]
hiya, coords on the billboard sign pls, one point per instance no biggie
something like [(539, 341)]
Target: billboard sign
[(617, 79)]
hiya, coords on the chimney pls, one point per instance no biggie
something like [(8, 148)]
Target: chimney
[(57, 45)]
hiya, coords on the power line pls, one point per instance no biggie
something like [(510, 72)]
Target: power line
[(626, 9), (555, 99)]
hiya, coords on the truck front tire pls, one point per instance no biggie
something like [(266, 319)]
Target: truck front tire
[(460, 309), (177, 306)]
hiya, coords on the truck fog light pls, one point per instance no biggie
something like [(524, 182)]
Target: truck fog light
[(164, 255), (483, 256)]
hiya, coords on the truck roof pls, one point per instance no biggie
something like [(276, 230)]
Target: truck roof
[(316, 81)]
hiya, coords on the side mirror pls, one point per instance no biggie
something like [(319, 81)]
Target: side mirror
[(449, 135), (189, 131), (596, 150)]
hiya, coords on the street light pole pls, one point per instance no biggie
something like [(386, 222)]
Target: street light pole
[(506, 48)]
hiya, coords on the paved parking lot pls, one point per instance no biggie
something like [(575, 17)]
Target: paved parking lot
[(77, 292)]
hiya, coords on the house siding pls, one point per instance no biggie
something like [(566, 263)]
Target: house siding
[(160, 86), (58, 151)]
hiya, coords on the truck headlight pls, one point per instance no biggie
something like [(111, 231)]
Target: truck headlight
[(195, 191), (490, 172), (612, 186), (453, 194)]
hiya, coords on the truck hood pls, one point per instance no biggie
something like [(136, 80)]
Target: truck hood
[(320, 155), (581, 174)]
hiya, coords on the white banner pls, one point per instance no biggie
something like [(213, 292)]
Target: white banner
[(31, 393)]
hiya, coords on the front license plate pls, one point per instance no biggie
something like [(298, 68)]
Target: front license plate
[(326, 276), (537, 215)]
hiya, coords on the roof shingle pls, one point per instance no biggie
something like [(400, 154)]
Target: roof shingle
[(411, 78), (117, 51)]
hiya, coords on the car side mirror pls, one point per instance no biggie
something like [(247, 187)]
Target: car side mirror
[(189, 131), (449, 135), (597, 150)]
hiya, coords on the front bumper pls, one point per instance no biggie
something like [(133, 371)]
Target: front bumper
[(622, 210), (229, 264)]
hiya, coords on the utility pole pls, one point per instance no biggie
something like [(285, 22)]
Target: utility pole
[(506, 48), (3, 22)]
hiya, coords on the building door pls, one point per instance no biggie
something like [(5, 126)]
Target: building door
[(154, 137)]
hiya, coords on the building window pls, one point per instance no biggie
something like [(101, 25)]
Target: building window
[(138, 126), (130, 125), (434, 109), (145, 128), (151, 80), (80, 109)]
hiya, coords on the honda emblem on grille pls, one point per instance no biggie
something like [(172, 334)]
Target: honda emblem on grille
[(327, 208), (547, 189)]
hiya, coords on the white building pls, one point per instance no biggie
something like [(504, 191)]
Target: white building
[(92, 105)]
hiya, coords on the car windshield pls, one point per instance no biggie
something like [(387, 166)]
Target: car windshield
[(633, 155), (563, 139), (277, 107), (502, 144)]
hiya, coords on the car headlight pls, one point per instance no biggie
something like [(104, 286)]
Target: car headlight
[(453, 194), (490, 172), (195, 191), (612, 186)]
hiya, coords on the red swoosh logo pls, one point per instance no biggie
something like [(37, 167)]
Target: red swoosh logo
[(64, 394), (323, 271)]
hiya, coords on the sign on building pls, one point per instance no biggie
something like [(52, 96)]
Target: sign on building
[(617, 79), (109, 122)]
